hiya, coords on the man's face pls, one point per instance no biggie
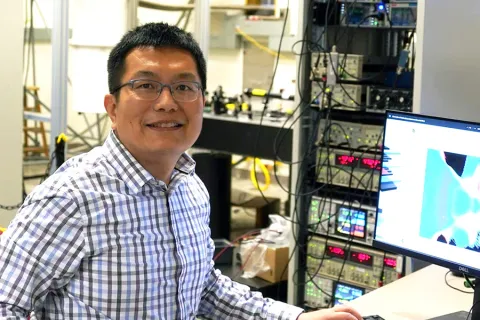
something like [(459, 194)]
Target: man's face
[(163, 126)]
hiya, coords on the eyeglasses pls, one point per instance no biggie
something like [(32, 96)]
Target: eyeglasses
[(182, 91)]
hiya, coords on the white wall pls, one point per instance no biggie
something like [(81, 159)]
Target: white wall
[(225, 68), (447, 68), (11, 95)]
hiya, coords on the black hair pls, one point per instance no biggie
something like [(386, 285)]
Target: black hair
[(156, 35)]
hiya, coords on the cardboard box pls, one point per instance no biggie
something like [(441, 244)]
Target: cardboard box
[(277, 259)]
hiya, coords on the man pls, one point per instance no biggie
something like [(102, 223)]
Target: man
[(122, 231)]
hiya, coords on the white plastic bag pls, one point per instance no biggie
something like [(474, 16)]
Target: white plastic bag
[(253, 252), (253, 258), (278, 232)]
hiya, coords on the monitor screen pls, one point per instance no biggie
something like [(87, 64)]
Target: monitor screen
[(429, 191), (345, 293), (351, 221)]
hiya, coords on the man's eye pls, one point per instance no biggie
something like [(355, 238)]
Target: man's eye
[(145, 86), (183, 87)]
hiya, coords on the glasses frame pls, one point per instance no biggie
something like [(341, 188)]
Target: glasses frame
[(162, 86)]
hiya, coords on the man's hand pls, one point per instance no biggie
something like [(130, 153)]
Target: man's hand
[(335, 313)]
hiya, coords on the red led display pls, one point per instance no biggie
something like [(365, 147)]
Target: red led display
[(390, 262), (336, 252), (370, 163), (346, 160), (361, 257)]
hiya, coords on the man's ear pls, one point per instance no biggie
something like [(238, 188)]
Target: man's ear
[(110, 103)]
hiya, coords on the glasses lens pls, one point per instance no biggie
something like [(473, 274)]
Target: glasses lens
[(185, 91), (145, 89)]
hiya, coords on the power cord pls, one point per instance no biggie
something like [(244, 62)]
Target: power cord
[(457, 289), (469, 282), (471, 310), (12, 207)]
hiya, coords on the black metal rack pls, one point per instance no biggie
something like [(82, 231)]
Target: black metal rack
[(380, 46)]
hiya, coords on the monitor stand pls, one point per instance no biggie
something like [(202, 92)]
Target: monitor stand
[(462, 315), (455, 273)]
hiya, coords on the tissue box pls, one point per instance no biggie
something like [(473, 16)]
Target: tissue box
[(277, 259)]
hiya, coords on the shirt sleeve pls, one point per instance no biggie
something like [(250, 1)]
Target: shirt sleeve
[(40, 251), (223, 298)]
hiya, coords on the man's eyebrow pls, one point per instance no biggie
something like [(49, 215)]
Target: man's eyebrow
[(186, 76), (180, 76), (145, 73)]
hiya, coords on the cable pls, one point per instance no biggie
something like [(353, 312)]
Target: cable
[(30, 43), (12, 207), (257, 44), (382, 273), (471, 310), (470, 283), (457, 289), (350, 238), (266, 174), (268, 95), (308, 153), (297, 244), (32, 39), (250, 233)]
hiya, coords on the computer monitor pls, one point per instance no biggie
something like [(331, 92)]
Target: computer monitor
[(429, 192)]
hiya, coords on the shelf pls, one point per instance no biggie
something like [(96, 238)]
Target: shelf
[(369, 198), (351, 115), (182, 7), (377, 27)]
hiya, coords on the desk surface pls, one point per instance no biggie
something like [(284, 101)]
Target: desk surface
[(418, 296), (268, 122), (272, 140)]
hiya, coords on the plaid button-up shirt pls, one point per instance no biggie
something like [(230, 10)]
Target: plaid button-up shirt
[(103, 239)]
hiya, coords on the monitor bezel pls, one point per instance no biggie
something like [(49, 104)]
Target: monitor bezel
[(408, 252)]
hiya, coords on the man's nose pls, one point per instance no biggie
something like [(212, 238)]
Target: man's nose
[(165, 101)]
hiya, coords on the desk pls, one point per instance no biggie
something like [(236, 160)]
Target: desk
[(228, 134), (418, 296)]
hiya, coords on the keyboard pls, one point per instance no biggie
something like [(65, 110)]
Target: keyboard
[(373, 317)]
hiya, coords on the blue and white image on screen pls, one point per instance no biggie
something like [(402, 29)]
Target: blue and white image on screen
[(352, 222), (345, 293), (451, 199)]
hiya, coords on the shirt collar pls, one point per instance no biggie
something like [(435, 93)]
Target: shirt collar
[(131, 171)]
